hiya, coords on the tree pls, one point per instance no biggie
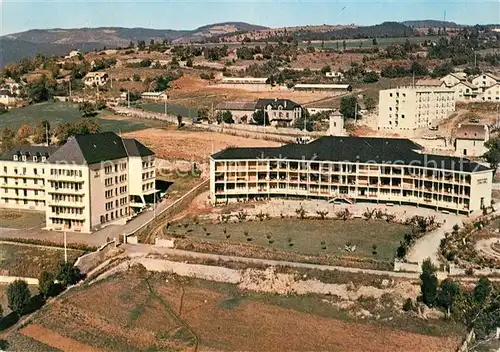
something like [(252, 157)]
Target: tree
[(136, 77), (348, 107), (447, 292), (227, 117), (3, 109), (326, 69), (428, 283), (370, 77), (46, 283), (482, 291), (370, 102), (374, 42), (260, 117), (18, 296), (38, 91), (344, 44), (179, 120), (418, 69), (493, 154), (24, 131), (7, 139), (42, 131), (305, 121), (189, 62), (68, 274), (87, 109), (203, 113)]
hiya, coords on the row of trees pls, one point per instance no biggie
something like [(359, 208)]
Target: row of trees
[(49, 284), (478, 308)]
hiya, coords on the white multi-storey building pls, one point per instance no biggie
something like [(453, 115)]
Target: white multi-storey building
[(22, 177), (409, 108), (376, 170), (91, 181)]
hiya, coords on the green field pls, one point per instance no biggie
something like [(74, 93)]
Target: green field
[(60, 112), (29, 261), (21, 219), (312, 237), (171, 109)]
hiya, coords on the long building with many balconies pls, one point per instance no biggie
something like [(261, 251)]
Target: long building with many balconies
[(89, 182), (377, 170)]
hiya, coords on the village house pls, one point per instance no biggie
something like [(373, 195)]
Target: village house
[(93, 79), (154, 96), (470, 139), (6, 97), (430, 83), (484, 81), (242, 111), (339, 76), (452, 79), (491, 93), (280, 112), (465, 91)]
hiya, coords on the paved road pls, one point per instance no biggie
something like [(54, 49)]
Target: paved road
[(428, 246), (484, 246)]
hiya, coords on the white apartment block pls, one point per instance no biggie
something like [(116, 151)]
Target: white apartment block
[(90, 182), (377, 170), (22, 178), (407, 109)]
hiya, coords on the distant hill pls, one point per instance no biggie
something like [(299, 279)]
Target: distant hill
[(59, 41), (431, 24)]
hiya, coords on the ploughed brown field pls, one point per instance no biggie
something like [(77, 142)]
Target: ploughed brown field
[(139, 310)]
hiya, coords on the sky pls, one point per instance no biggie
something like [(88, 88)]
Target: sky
[(18, 15)]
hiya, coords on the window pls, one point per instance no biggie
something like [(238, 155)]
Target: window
[(5, 169), (15, 158), (24, 157)]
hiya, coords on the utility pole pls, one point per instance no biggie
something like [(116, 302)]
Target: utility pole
[(154, 204), (356, 113), (65, 247), (128, 98), (47, 133), (70, 88), (166, 105)]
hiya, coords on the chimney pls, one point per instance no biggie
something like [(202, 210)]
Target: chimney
[(285, 103), (275, 99)]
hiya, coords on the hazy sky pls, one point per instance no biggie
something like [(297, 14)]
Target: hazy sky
[(18, 15)]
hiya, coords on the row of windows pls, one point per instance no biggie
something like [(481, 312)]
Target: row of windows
[(77, 186), (114, 214), (25, 158), (23, 201), (113, 168), (66, 210), (66, 172), (67, 198), (68, 223), (148, 186), (147, 164), (20, 192), (23, 171), (148, 175), (25, 181)]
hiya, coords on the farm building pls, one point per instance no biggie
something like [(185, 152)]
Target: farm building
[(323, 87)]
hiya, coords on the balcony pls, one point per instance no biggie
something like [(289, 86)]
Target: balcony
[(66, 216), (61, 203)]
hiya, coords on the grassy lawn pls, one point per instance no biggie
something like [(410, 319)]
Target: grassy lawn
[(171, 109), (61, 112), (29, 261), (20, 219), (312, 237)]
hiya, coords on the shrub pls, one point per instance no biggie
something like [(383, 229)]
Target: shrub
[(18, 296), (46, 283), (408, 305), (68, 274), (301, 212)]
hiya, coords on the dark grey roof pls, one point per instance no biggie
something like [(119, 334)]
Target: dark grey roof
[(29, 152), (354, 149), (97, 147), (286, 104), (136, 148), (6, 92)]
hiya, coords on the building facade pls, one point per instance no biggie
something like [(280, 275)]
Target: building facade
[(22, 174), (407, 109), (465, 91), (89, 182), (351, 169), (279, 112), (452, 79), (484, 81), (470, 139), (491, 94)]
